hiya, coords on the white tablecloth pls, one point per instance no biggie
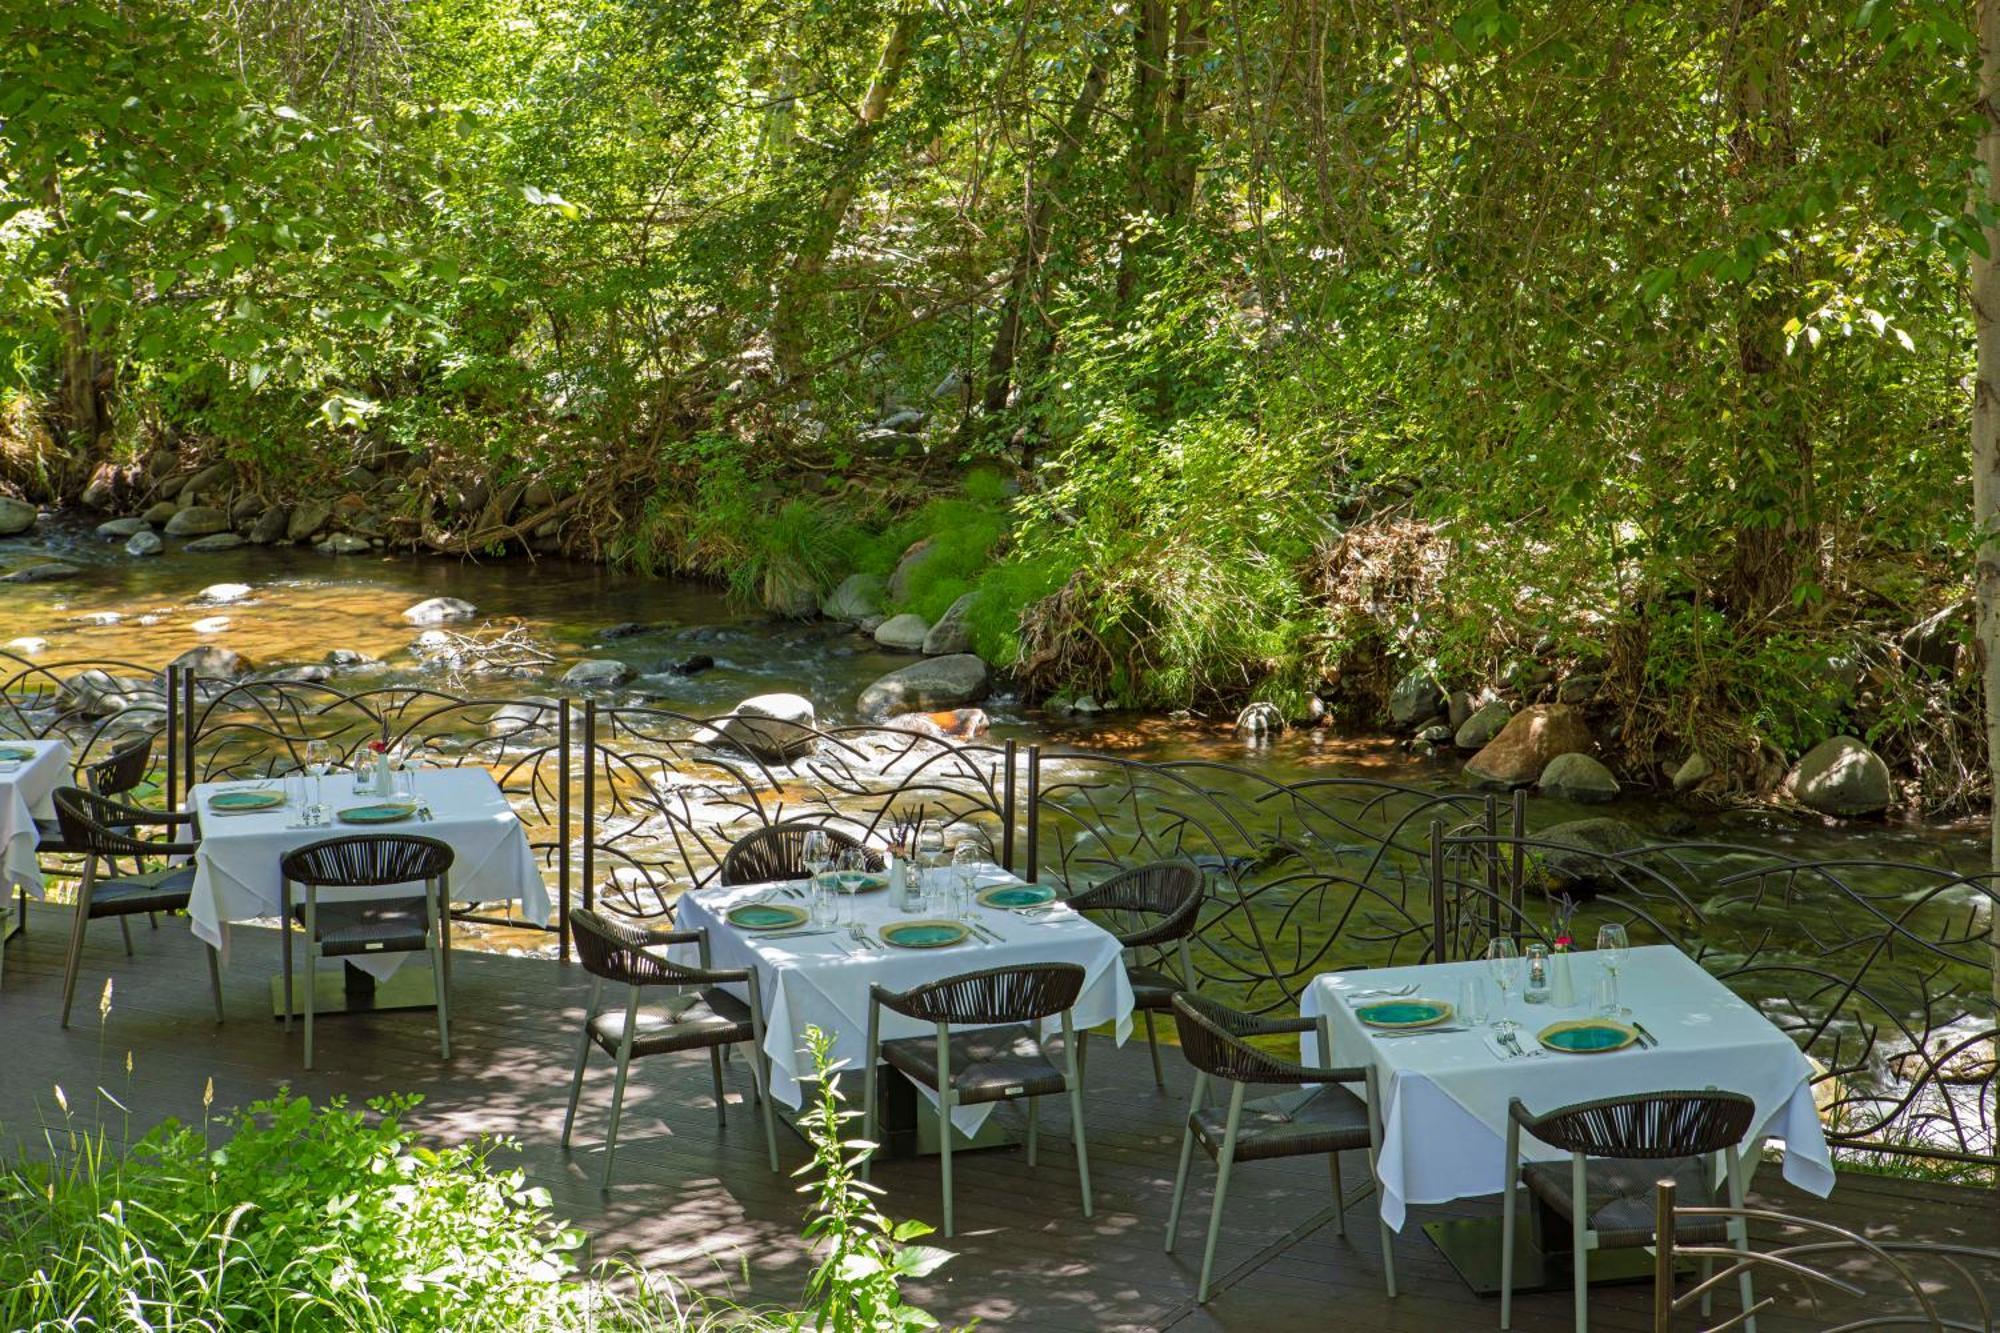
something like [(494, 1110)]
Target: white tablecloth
[(236, 865), (1445, 1097), (813, 981), (26, 795)]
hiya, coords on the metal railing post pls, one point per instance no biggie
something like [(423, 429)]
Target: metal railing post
[(589, 803), (1491, 818), (1437, 951), (173, 731), (562, 829), (1007, 808), (187, 728), (1518, 866), (1033, 856)]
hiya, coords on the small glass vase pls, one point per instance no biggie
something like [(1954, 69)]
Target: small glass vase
[(1562, 984)]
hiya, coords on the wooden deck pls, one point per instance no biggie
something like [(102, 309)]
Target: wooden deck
[(699, 1200)]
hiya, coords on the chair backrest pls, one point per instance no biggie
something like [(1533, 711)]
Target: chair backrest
[(90, 824), (1167, 893), (779, 852), (1213, 1040), (1655, 1124), (367, 860), (1023, 994), (125, 769), (619, 952)]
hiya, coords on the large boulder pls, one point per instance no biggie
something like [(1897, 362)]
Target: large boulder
[(96, 693), (1529, 742), (144, 542), (306, 519), (213, 660), (440, 611), (1578, 777), (16, 516), (200, 521), (44, 571), (597, 673), (1415, 699), (1260, 718), (1692, 772), (913, 555), (903, 634), (223, 592), (951, 634), (161, 513), (270, 525), (933, 683), (856, 598), (1593, 840), (1482, 725), (1841, 777), (774, 728), (342, 543)]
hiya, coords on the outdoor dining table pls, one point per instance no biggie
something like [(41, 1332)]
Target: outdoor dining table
[(812, 979), (27, 792), (237, 875), (1445, 1096)]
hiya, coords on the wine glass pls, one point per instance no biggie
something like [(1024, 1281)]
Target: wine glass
[(818, 855), (849, 861), (966, 859), (319, 756), (1612, 944), (1503, 962)]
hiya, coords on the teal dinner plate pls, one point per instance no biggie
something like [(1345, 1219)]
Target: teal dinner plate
[(17, 753), (1017, 895), (766, 916), (859, 881), (1403, 1013), (1587, 1036), (923, 934), (383, 812), (242, 802)]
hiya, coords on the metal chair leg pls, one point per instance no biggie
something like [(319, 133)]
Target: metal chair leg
[(285, 943), (715, 1077), (1339, 1196), (75, 960), (1153, 1046), (1034, 1126), (1511, 1186), (945, 1104), (1076, 1119), (582, 1058), (871, 1075), (1222, 1165), (215, 978), (312, 965), (1741, 1238), (760, 1074), (125, 929), (618, 1087), (1579, 1235), (1187, 1158)]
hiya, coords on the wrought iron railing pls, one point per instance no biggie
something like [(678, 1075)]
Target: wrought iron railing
[(1881, 970)]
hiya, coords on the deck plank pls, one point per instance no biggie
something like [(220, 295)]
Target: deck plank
[(698, 1199)]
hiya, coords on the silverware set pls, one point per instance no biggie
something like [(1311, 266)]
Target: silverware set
[(1646, 1039), (1510, 1041), (1370, 996), (1418, 1032)]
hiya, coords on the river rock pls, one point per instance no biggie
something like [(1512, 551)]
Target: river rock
[(1260, 719), (1486, 722), (597, 672), (210, 625), (1415, 699), (908, 421), (1458, 708), (904, 633), (270, 525), (349, 657), (856, 598), (98, 693), (951, 634), (310, 673), (775, 728), (16, 516), (1841, 777), (160, 514), (200, 521), (144, 542), (933, 683), (223, 592), (951, 724), (788, 592), (1578, 777), (172, 486), (1529, 742), (440, 611), (913, 556), (1692, 772), (342, 543), (1593, 840), (1437, 735), (306, 519), (214, 477), (220, 541), (46, 571), (247, 508), (1579, 689), (101, 492), (27, 644), (1932, 643), (213, 660), (118, 529), (525, 714)]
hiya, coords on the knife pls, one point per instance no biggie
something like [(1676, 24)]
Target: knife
[(1427, 1032), (1645, 1037)]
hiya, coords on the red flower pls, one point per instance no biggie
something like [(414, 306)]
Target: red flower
[(1564, 941), (378, 746)]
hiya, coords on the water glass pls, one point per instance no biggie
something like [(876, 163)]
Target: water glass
[(1607, 994), (822, 904), (1472, 1000), (817, 855), (1535, 987), (1611, 946), (1503, 964), (966, 861)]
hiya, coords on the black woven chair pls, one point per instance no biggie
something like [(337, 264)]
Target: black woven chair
[(703, 1016), (1620, 1148), (103, 832), (1155, 909), (779, 852), (1000, 1059), (125, 770), (1329, 1119), (353, 928)]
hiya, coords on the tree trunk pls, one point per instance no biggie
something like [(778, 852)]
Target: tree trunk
[(789, 339), (1986, 428), (1041, 203), (79, 368)]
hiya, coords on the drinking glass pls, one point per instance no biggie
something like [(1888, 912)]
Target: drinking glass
[(1611, 945), (1472, 1000), (966, 860), (822, 904), (1503, 963), (850, 861), (318, 757), (818, 855), (1535, 974)]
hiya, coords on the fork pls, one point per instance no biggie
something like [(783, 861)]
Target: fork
[(1356, 997), (860, 936)]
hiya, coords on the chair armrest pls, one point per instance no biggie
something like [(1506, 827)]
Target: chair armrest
[(1272, 1027), (138, 816), (1518, 1112), (657, 938)]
